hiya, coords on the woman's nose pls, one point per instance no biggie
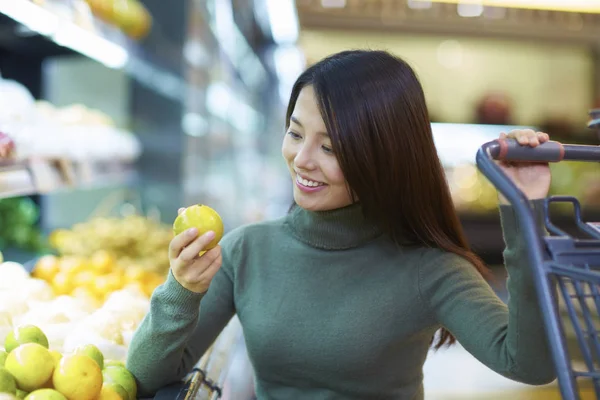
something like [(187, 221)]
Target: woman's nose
[(304, 158)]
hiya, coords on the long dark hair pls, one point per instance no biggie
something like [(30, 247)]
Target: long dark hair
[(376, 116)]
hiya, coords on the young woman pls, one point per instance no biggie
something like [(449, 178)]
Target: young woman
[(342, 297)]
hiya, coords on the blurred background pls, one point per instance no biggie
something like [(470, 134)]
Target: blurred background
[(114, 113)]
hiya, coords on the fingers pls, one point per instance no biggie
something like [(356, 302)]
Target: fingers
[(193, 250), (180, 241), (197, 275), (180, 210), (212, 269), (527, 137)]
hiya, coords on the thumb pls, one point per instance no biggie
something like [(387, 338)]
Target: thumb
[(182, 209)]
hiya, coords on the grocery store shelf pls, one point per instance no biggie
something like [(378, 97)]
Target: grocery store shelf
[(46, 176), (30, 29), (100, 44)]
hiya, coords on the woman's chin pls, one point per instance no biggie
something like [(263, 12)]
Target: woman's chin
[(306, 203)]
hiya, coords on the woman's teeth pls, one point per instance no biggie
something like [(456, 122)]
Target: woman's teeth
[(307, 182)]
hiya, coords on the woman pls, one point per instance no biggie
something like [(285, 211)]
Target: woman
[(342, 298)]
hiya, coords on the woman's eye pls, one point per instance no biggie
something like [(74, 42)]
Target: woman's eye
[(294, 135), (327, 149)]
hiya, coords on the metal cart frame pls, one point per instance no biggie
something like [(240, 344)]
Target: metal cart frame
[(565, 268)]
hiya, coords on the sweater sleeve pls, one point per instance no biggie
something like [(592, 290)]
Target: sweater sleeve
[(509, 339), (179, 328)]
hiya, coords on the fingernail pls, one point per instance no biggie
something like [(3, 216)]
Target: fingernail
[(210, 235), (192, 232)]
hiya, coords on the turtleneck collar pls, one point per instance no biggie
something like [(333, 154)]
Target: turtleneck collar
[(338, 229)]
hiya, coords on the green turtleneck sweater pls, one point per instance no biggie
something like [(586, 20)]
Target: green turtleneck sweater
[(332, 309)]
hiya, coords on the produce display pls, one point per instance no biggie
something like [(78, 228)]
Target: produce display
[(39, 129), (71, 321), (95, 278), (30, 369), (129, 16), (132, 241)]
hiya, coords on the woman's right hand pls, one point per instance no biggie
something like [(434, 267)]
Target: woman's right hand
[(192, 270)]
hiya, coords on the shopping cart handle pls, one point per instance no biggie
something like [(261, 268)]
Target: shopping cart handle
[(511, 150)]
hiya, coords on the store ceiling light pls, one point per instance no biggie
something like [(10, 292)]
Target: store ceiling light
[(469, 10), (65, 33), (283, 20), (582, 6)]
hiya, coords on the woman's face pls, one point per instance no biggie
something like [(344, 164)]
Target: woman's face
[(319, 184)]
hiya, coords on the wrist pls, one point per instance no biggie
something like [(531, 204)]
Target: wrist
[(190, 286)]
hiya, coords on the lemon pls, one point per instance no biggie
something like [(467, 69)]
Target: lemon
[(93, 352), (31, 365), (56, 356), (3, 355), (45, 394), (108, 392), (118, 389), (123, 377), (7, 382), (202, 218), (114, 363), (25, 334), (78, 376), (46, 267)]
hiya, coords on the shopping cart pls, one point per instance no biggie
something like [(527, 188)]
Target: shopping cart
[(566, 268)]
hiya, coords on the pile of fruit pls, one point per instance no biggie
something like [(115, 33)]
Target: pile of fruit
[(93, 278), (70, 321), (41, 130), (30, 369), (130, 16), (133, 240)]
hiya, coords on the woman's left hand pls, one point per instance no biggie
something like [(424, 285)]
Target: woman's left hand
[(533, 179)]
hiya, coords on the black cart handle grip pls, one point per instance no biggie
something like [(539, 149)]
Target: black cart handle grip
[(551, 151)]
